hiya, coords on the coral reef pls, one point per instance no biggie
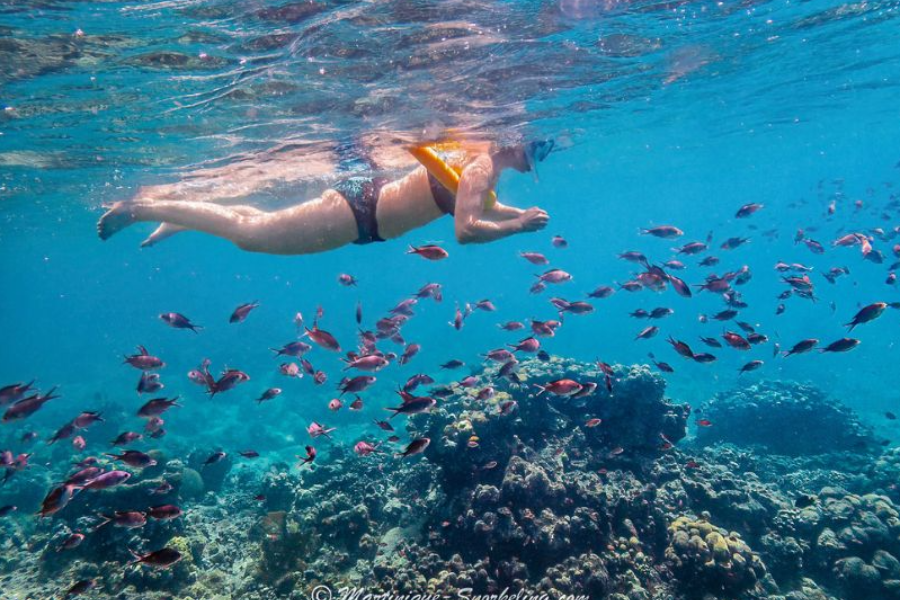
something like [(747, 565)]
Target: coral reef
[(707, 558), (625, 509), (786, 418), (637, 422)]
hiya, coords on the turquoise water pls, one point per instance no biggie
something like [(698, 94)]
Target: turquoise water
[(665, 113)]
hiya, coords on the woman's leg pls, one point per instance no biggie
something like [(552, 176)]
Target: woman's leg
[(321, 224), (167, 230)]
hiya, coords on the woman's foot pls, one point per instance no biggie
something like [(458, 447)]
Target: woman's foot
[(165, 230), (118, 217)]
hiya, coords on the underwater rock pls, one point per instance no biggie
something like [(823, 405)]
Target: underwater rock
[(170, 60), (25, 57), (213, 474), (787, 418), (293, 12), (278, 487)]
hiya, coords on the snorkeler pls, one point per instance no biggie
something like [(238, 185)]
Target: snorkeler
[(357, 209)]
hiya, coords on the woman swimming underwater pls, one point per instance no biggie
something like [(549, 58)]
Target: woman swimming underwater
[(357, 209)]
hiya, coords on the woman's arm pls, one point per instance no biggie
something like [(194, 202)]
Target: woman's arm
[(502, 212), (475, 225)]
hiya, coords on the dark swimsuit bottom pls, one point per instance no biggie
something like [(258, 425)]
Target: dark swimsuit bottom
[(362, 194)]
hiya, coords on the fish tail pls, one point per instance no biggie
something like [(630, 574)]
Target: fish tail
[(105, 520), (541, 388), (412, 250), (135, 555)]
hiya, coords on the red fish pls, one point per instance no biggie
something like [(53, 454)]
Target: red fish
[(841, 345), (346, 280), (323, 338), (179, 321), (417, 446), (160, 559), (229, 380), (356, 384), (747, 210), (310, 455), (71, 542), (647, 333), (458, 318), (666, 232), (214, 458), (13, 393), (241, 312), (704, 423), (149, 383), (802, 347), (692, 248), (128, 519), (735, 340), (604, 291), (164, 512), (408, 353), (867, 314), (751, 366), (134, 458), (576, 308), (295, 349), (372, 362), (535, 258), (107, 480), (269, 394), (316, 430), (680, 287), (528, 345), (554, 276), (58, 498), (156, 407), (704, 358), (634, 256), (429, 251), (733, 243), (430, 290), (26, 407), (413, 406), (681, 348), (560, 387)]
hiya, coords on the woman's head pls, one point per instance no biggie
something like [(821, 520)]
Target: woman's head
[(523, 157)]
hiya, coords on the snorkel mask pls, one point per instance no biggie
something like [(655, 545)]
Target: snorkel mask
[(536, 152)]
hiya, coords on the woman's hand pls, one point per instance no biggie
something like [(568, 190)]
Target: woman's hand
[(534, 219)]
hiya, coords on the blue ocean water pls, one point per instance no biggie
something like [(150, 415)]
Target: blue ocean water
[(665, 113)]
